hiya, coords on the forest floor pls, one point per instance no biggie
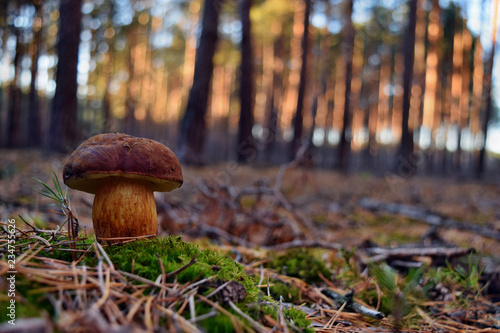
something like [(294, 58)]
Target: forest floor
[(369, 234)]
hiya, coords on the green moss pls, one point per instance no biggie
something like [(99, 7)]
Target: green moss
[(482, 218), (219, 323), (174, 254), (297, 320), (247, 202), (320, 219), (398, 236), (301, 263), (373, 220), (289, 293)]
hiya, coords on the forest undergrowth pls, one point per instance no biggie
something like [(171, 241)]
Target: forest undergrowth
[(290, 249)]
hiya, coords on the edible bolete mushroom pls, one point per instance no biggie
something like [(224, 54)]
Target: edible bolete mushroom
[(123, 171)]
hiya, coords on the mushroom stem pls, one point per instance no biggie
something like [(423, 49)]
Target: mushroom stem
[(124, 207)]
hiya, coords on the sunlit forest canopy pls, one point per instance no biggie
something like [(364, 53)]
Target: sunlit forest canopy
[(363, 83)]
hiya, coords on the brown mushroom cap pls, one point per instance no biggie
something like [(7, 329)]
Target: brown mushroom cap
[(122, 155)]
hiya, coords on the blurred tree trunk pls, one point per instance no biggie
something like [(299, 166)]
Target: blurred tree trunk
[(477, 95), (34, 130), (431, 114), (106, 103), (464, 117), (292, 70), (62, 135), (3, 138), (406, 148), (276, 94), (129, 124), (323, 67), (347, 52), (190, 49), (480, 166), (246, 145), (14, 110), (298, 120), (193, 124)]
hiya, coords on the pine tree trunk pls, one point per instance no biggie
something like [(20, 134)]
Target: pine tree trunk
[(298, 120), (106, 102), (347, 51), (193, 124), (246, 145), (406, 148), (480, 167), (62, 135), (275, 97), (14, 111), (129, 123), (34, 126)]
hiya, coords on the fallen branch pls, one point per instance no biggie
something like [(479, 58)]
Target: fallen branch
[(405, 252), (404, 256), (303, 244), (351, 305), (428, 217)]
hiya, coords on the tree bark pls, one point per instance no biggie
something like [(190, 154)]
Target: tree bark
[(106, 103), (246, 145), (193, 124), (62, 134), (129, 123), (275, 97), (298, 120), (34, 126), (487, 90), (14, 111), (406, 148), (347, 51)]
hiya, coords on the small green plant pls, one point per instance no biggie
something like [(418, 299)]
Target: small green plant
[(400, 294), (348, 273), (466, 276), (469, 277), (62, 200)]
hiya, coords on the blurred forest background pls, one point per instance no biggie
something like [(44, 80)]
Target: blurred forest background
[(403, 85)]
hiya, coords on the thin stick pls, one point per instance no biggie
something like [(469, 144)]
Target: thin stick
[(261, 275), (29, 225), (180, 269), (107, 287), (192, 311), (105, 255), (163, 275), (148, 322), (135, 307), (219, 308), (185, 324), (258, 327), (334, 318), (218, 289), (143, 280)]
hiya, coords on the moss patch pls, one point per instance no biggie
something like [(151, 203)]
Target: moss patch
[(140, 258), (301, 263)]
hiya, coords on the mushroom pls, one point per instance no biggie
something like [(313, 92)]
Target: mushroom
[(123, 171)]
